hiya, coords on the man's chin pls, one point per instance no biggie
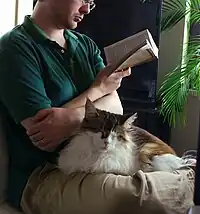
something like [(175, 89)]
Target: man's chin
[(73, 25), (70, 26)]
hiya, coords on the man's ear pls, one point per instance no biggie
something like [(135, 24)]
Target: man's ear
[(90, 109), (128, 123)]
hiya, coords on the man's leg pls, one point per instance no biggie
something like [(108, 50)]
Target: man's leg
[(49, 191)]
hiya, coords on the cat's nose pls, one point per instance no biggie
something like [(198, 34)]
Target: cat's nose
[(106, 142)]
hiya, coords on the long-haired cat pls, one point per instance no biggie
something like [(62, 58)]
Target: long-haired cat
[(111, 143)]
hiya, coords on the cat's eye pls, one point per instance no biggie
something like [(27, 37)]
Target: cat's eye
[(104, 134), (121, 137)]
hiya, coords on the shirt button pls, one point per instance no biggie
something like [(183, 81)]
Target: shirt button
[(62, 51)]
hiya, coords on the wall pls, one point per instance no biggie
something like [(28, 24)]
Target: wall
[(12, 12), (7, 16), (186, 138), (170, 50)]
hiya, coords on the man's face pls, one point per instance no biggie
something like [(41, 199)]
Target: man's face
[(68, 13)]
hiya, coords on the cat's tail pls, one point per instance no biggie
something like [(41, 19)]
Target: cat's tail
[(170, 162)]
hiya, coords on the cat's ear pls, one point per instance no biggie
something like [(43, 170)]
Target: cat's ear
[(130, 120), (90, 109)]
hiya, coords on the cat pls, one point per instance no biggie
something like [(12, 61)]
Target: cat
[(111, 143)]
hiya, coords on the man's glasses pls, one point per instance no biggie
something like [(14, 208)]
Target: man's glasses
[(91, 3)]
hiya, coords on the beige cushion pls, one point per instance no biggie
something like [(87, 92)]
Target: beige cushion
[(3, 163), (6, 209), (194, 210), (49, 191)]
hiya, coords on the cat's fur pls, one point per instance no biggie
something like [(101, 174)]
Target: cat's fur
[(111, 143)]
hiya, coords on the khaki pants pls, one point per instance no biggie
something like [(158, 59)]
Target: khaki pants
[(49, 191)]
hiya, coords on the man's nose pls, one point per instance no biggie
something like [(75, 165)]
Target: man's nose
[(85, 9)]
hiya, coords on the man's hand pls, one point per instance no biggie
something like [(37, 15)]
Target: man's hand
[(104, 84), (107, 83), (51, 126)]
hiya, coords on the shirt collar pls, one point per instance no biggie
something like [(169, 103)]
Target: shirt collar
[(40, 36)]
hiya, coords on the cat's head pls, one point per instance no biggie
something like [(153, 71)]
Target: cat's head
[(114, 128)]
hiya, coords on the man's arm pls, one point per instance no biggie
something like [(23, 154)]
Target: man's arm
[(105, 100), (51, 126), (110, 102)]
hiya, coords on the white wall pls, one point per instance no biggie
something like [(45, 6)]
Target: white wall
[(12, 12), (7, 15), (24, 8)]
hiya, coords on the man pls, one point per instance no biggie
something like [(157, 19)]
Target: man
[(47, 72)]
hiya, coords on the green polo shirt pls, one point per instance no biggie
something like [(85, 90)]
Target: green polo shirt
[(36, 73)]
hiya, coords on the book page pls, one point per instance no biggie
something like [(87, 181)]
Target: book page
[(134, 50), (153, 44), (119, 49), (143, 55)]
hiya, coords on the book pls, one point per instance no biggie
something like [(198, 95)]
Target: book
[(137, 49)]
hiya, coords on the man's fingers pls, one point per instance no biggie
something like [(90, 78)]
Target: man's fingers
[(122, 74), (50, 146), (36, 137), (45, 145), (41, 115), (126, 72), (110, 70), (33, 130), (37, 127), (107, 71)]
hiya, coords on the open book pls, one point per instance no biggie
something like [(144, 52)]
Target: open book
[(131, 51)]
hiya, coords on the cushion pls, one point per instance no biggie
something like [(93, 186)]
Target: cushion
[(50, 191), (3, 163), (194, 210), (7, 209)]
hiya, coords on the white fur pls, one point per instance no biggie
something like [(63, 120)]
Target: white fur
[(86, 153), (168, 162)]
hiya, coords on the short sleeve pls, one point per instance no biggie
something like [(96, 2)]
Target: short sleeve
[(22, 89), (95, 55), (98, 61)]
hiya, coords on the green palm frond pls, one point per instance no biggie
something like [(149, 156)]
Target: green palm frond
[(175, 88), (173, 11), (195, 11)]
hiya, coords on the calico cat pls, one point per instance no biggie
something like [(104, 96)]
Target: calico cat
[(111, 143)]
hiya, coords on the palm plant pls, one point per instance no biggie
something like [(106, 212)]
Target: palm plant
[(174, 90)]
